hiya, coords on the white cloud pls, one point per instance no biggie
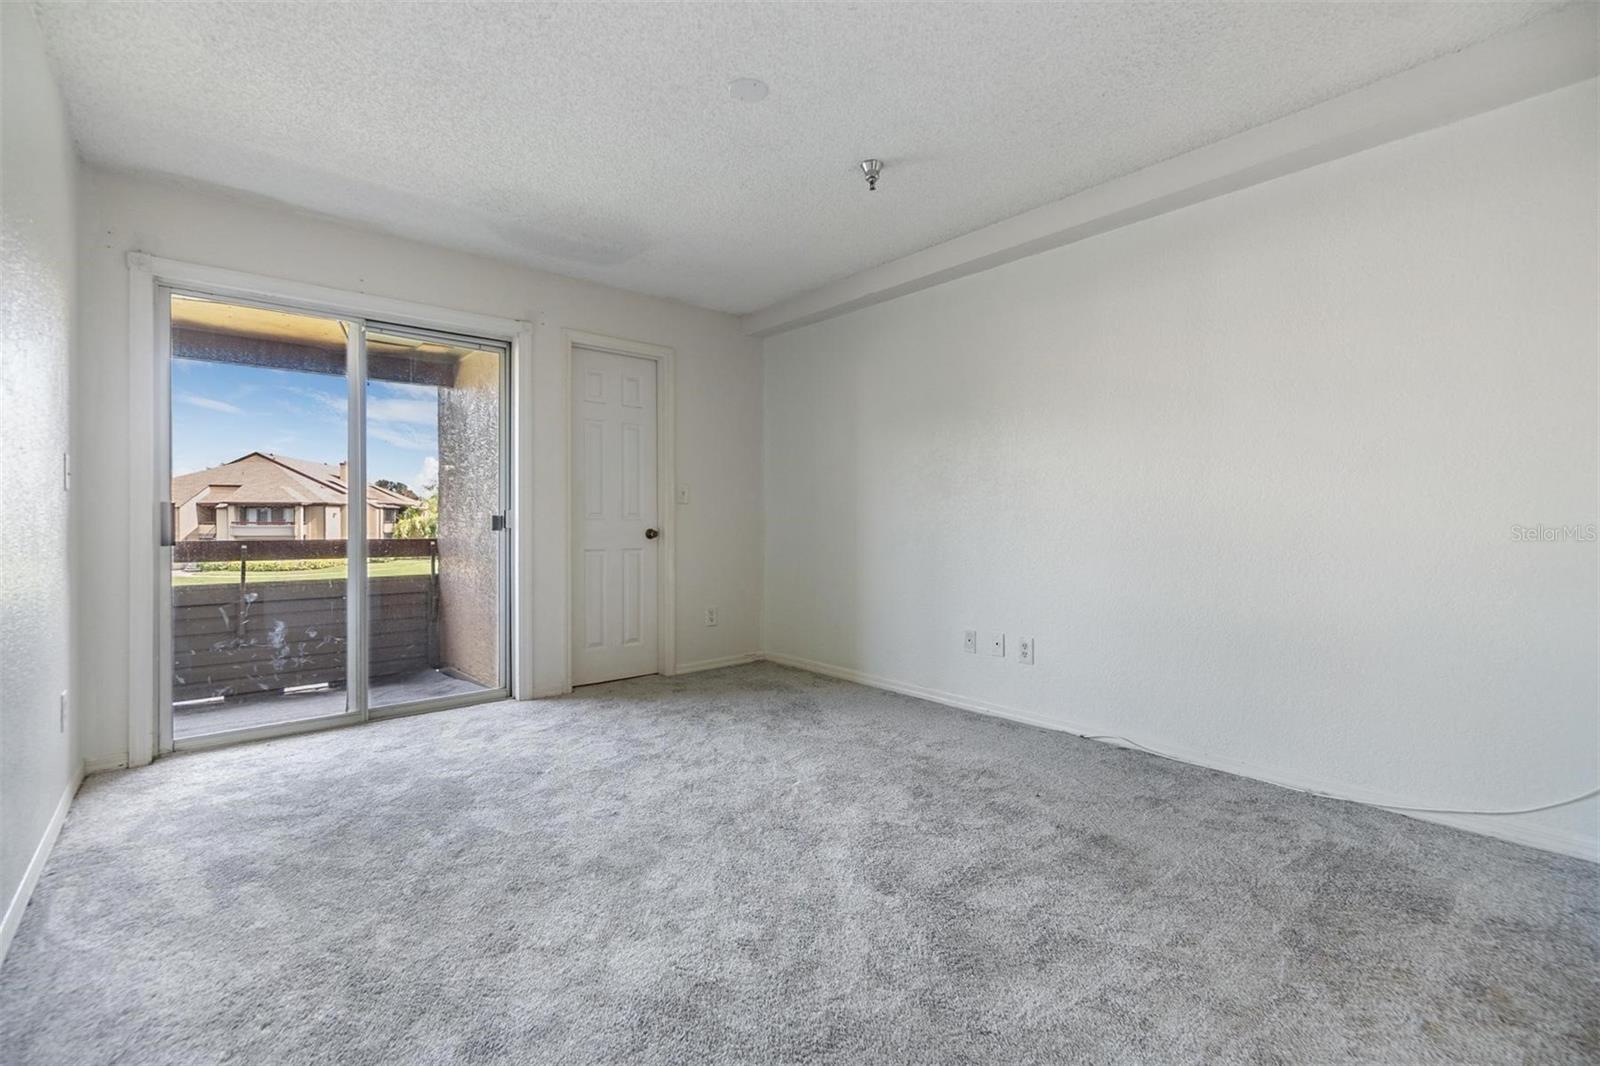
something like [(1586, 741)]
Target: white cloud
[(429, 393), (195, 400), (426, 479), (330, 402), (411, 412), (402, 437)]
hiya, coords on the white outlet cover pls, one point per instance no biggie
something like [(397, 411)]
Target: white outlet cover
[(1025, 651), (997, 645)]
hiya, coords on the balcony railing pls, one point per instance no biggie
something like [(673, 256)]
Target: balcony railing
[(231, 551), (242, 636)]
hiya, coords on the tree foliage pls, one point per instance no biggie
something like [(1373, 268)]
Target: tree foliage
[(421, 521), (398, 487)]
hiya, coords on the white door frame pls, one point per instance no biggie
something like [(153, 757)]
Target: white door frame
[(147, 440), (666, 492)]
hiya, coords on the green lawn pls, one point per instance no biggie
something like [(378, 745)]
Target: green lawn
[(332, 571)]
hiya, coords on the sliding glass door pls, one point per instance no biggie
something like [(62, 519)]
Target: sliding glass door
[(436, 566), (257, 570), (333, 545)]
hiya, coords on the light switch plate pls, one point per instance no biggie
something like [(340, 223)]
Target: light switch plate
[(970, 645), (683, 494), (997, 645)]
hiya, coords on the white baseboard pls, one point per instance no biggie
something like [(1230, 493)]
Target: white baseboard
[(717, 664), (41, 855), (1503, 827), (101, 763)]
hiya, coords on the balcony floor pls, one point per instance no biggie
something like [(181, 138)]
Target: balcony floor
[(270, 708)]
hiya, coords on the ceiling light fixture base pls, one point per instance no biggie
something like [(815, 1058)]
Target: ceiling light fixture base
[(750, 90), (872, 168)]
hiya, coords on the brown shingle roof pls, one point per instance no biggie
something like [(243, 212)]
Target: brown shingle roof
[(323, 472), (264, 478)]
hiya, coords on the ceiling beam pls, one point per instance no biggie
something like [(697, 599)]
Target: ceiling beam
[(1547, 54), (239, 350)]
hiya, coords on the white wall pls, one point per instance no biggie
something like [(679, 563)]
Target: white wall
[(718, 412), (1247, 472), (38, 168)]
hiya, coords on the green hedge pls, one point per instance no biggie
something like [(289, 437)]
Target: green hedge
[(276, 565)]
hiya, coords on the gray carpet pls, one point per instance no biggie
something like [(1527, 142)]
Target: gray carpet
[(760, 865)]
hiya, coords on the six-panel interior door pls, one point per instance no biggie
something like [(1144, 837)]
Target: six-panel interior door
[(616, 530)]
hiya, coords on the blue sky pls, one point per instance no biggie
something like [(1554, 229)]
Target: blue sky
[(220, 411)]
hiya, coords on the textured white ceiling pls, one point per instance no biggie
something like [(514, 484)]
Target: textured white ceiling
[(600, 141)]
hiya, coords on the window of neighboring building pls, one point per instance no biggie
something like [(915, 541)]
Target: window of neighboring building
[(268, 516)]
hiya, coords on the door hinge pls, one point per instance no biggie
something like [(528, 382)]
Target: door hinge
[(497, 522)]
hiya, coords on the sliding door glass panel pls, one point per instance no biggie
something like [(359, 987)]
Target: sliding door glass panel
[(258, 567), (436, 557)]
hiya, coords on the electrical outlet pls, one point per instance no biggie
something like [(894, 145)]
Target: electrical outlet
[(683, 493), (1025, 651), (971, 644), (997, 645), (61, 726), (711, 616)]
